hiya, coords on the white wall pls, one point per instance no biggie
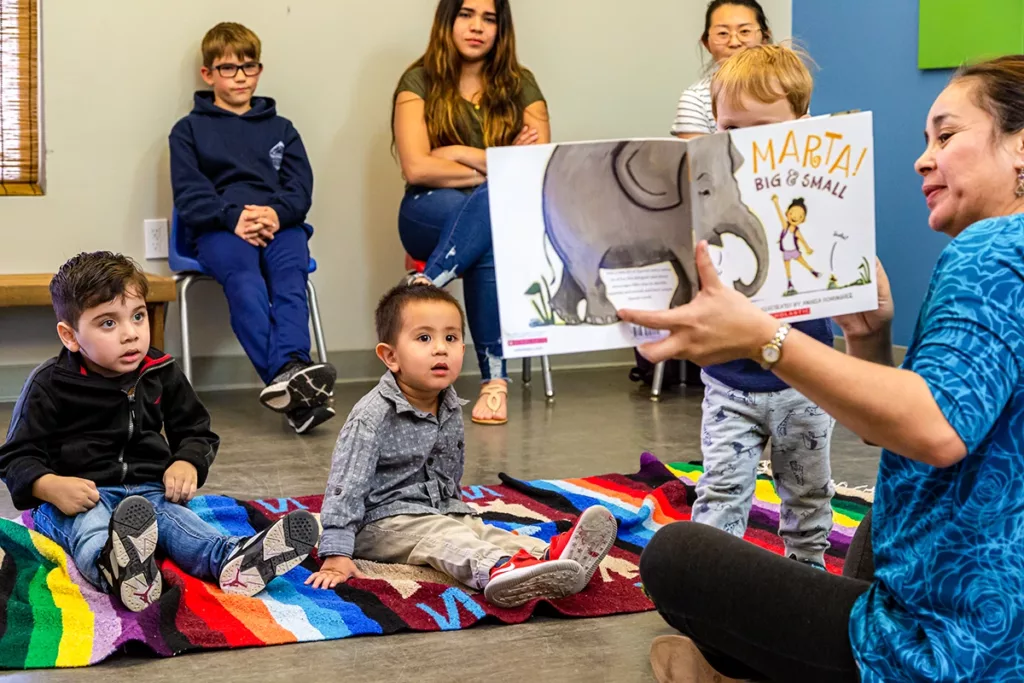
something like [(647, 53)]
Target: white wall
[(780, 17), (119, 73)]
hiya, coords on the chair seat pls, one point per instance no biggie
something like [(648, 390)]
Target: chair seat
[(178, 263), (414, 265)]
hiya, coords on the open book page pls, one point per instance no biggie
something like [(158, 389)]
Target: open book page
[(583, 229), (794, 226)]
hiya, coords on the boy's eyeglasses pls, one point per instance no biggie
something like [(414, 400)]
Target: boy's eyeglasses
[(230, 70), (722, 36)]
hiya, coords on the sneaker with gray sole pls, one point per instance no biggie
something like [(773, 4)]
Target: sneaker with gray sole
[(127, 560), (272, 552)]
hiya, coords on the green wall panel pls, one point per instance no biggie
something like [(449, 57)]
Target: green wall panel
[(954, 31)]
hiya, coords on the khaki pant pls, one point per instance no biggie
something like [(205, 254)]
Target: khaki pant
[(462, 546)]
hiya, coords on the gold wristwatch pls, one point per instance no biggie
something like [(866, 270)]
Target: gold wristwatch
[(772, 351)]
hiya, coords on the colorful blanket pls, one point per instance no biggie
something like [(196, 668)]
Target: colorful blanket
[(51, 617)]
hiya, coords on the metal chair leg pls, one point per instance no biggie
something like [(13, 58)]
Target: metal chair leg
[(527, 372), (318, 329), (657, 380), (186, 346), (549, 384)]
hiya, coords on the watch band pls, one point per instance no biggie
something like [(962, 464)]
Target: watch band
[(771, 352)]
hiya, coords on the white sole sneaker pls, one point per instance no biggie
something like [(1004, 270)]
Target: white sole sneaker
[(549, 579), (591, 541)]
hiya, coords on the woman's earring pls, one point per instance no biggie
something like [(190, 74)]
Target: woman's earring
[(1020, 183)]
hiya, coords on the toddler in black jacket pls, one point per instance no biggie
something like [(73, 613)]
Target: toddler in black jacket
[(85, 451)]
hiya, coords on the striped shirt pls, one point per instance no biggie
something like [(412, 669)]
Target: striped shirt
[(693, 113)]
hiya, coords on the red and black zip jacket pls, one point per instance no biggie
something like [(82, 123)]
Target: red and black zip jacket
[(74, 423)]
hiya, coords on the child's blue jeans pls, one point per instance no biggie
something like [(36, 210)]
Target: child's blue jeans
[(451, 231), (195, 546), (266, 292)]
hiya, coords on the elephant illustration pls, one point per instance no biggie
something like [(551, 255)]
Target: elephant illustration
[(633, 204)]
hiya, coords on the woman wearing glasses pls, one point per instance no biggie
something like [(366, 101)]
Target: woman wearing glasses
[(466, 93), (729, 25)]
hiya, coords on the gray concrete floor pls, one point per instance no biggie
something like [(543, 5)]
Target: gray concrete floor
[(600, 422)]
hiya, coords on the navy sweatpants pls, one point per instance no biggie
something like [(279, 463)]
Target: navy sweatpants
[(266, 292)]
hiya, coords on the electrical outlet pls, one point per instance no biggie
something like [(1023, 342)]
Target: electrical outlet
[(155, 231)]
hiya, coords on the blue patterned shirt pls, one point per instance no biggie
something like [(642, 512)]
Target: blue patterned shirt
[(947, 603)]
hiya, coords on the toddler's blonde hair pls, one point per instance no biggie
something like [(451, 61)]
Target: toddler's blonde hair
[(766, 73)]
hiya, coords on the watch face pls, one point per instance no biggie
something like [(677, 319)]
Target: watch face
[(770, 354)]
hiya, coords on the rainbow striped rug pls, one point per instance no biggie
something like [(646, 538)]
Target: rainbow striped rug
[(51, 617)]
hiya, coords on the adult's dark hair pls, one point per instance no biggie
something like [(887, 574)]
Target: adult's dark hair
[(762, 20), (91, 279), (501, 116), (388, 316), (999, 89)]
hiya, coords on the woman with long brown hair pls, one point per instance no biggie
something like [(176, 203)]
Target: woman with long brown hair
[(465, 94)]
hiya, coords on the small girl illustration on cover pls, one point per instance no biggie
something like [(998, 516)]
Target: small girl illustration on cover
[(791, 242)]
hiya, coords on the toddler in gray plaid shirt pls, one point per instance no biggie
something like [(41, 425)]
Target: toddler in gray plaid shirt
[(394, 493)]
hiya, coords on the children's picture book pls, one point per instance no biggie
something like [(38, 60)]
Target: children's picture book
[(583, 229)]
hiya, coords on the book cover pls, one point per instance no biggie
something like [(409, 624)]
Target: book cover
[(583, 229)]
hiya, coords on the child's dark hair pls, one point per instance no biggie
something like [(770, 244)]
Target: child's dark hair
[(762, 20), (799, 203), (389, 309), (91, 279)]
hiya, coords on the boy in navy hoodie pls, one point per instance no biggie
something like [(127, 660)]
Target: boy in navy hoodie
[(242, 188)]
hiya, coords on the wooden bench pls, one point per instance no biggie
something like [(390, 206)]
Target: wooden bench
[(34, 290)]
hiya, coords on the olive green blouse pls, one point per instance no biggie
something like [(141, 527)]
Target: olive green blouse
[(415, 81)]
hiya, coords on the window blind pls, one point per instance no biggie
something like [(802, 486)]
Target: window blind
[(19, 98)]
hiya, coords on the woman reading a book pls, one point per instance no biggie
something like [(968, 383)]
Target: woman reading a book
[(466, 93), (729, 26), (944, 600)]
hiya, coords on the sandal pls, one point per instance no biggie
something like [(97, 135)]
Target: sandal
[(493, 394)]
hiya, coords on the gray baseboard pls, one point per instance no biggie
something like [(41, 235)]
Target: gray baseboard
[(218, 373)]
